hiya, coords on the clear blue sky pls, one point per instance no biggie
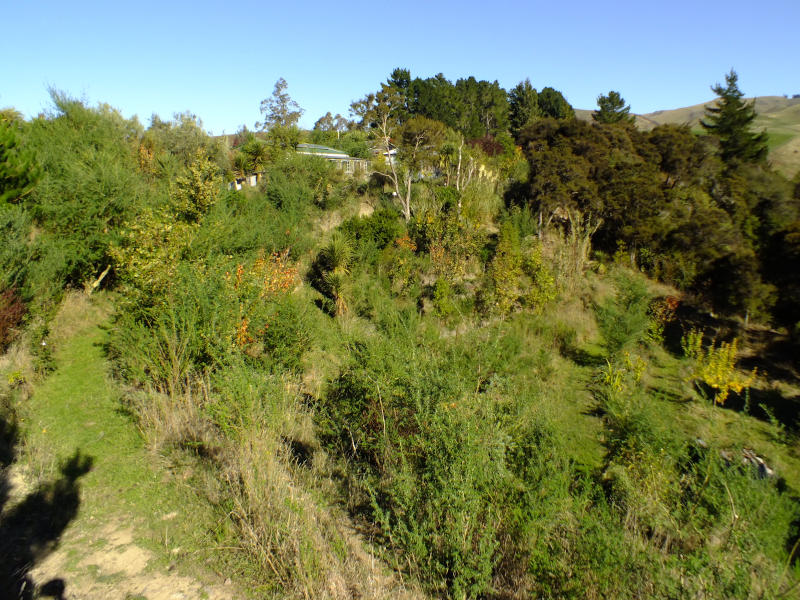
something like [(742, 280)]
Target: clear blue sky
[(220, 59)]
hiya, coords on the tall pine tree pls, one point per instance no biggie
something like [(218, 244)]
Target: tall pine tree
[(613, 109), (730, 121)]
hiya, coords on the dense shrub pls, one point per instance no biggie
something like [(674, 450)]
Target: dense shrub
[(90, 186), (381, 228), (707, 518), (454, 474)]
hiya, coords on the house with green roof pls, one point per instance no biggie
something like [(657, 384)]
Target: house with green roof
[(349, 164)]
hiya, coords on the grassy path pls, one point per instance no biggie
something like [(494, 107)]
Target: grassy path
[(135, 526)]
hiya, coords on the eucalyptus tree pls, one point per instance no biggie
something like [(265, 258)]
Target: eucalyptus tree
[(281, 115)]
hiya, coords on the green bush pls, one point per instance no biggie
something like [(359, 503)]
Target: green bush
[(457, 475), (443, 297), (287, 334), (706, 517), (189, 333), (297, 181), (18, 169), (288, 194)]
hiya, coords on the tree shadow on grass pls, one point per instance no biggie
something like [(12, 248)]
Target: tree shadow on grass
[(768, 405), (31, 528), (584, 357)]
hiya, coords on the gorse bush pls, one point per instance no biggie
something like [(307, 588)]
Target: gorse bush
[(244, 223), (443, 459), (381, 228), (451, 241), (684, 498), (198, 190), (15, 251), (297, 181), (399, 262), (148, 254), (90, 185), (192, 331), (505, 273), (18, 169)]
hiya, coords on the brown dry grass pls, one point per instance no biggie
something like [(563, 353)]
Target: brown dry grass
[(76, 309), (567, 251)]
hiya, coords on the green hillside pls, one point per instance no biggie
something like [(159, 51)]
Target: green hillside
[(527, 358)]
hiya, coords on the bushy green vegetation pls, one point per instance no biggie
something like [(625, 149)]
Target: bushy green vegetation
[(462, 361)]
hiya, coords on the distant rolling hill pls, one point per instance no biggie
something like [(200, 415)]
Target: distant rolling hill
[(779, 116)]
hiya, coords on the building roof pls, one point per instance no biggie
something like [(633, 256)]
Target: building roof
[(318, 150)]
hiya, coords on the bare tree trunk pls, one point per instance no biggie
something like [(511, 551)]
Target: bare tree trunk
[(458, 169), (407, 199), (99, 280), (395, 179)]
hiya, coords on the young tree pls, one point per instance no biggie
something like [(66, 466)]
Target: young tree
[(612, 109), (379, 113), (730, 122)]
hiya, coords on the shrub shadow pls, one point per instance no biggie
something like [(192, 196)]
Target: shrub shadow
[(30, 529)]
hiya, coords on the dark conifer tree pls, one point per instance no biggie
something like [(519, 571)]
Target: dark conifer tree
[(523, 102), (731, 121), (612, 109), (553, 104)]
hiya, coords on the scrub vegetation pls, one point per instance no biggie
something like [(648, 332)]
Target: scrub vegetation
[(522, 356)]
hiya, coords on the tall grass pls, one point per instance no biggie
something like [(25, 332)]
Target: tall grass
[(568, 248)]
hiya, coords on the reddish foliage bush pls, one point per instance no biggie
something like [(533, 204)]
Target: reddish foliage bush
[(488, 144), (12, 310)]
